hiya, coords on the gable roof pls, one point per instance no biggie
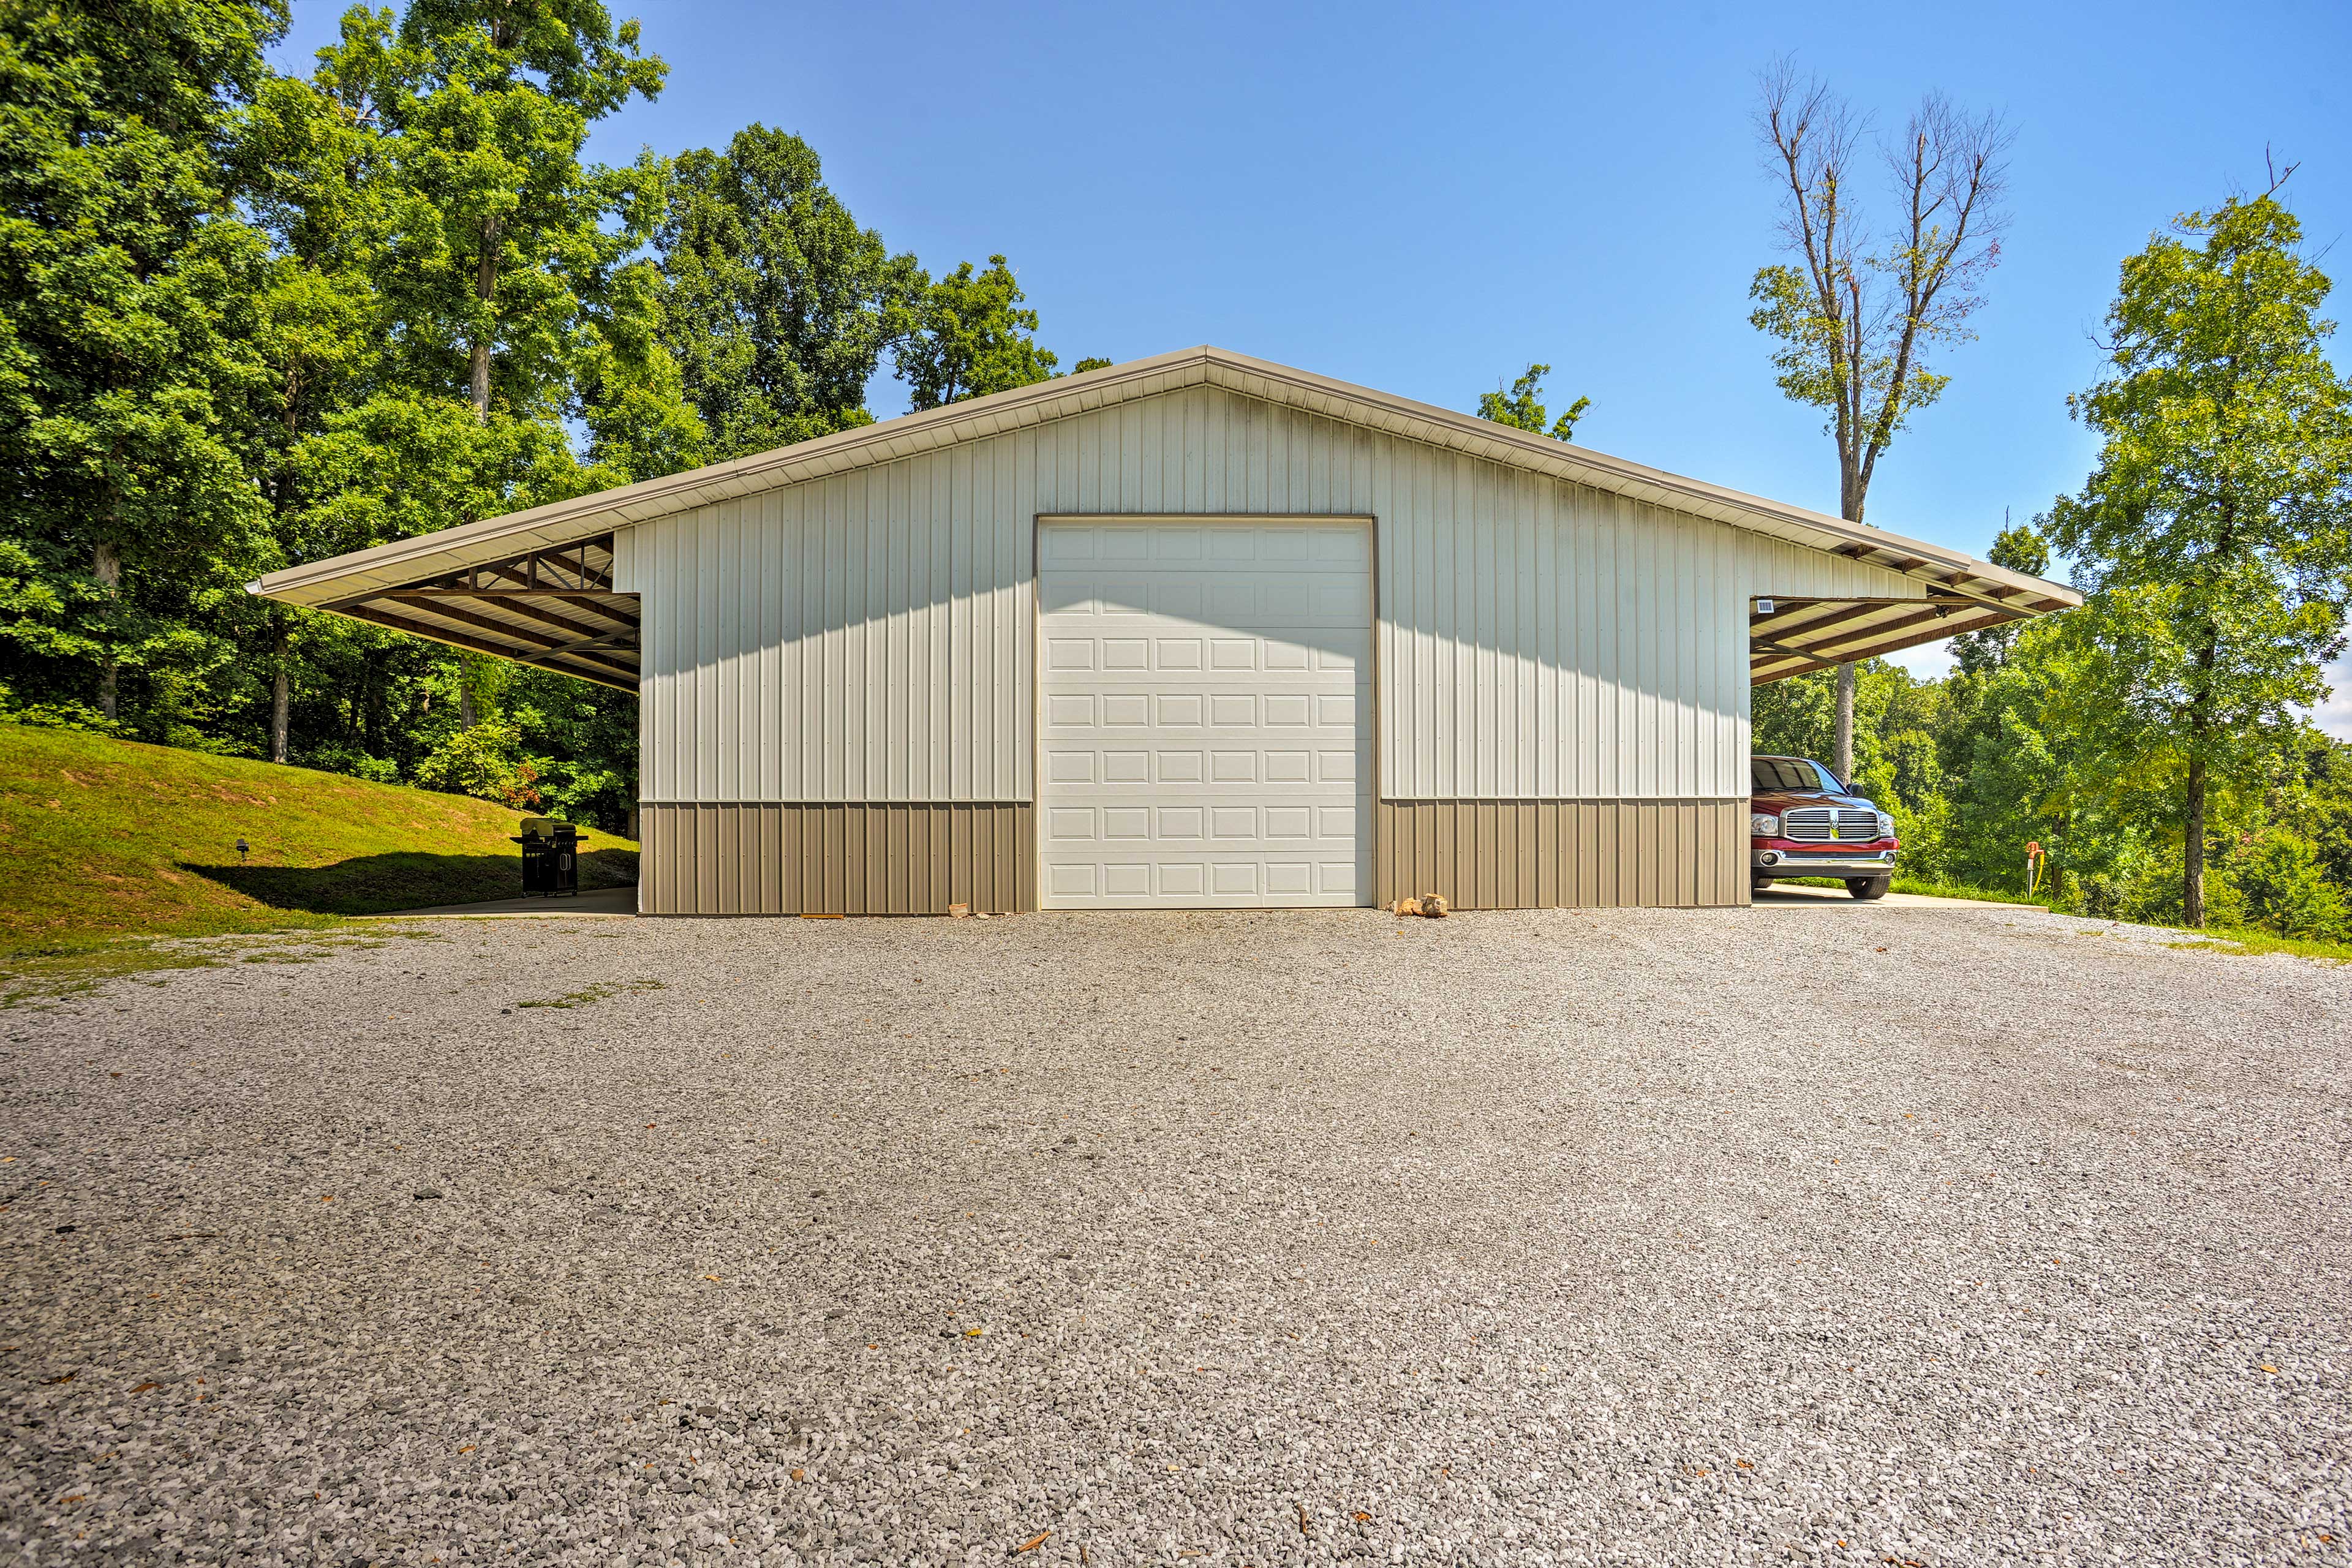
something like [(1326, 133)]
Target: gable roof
[(578, 531)]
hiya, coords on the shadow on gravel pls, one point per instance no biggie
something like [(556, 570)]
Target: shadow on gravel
[(377, 884)]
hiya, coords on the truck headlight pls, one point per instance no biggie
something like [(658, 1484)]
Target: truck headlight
[(1763, 824), (1886, 825)]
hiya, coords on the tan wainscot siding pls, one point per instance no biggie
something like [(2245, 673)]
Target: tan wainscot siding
[(835, 857), (842, 665)]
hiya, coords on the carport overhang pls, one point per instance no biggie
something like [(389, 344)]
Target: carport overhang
[(552, 608), (1789, 636)]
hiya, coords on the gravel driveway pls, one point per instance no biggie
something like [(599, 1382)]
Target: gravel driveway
[(1837, 1233)]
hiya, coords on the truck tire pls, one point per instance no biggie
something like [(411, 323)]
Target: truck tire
[(1756, 884), (1868, 887)]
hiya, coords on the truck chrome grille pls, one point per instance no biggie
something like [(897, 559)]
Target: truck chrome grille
[(1811, 825)]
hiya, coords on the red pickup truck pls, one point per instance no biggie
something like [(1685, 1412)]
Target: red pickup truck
[(1802, 822)]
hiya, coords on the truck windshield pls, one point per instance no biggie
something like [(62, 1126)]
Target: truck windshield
[(1770, 773)]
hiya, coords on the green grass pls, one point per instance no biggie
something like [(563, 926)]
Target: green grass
[(595, 993), (109, 845), (2212, 939), (1931, 890), (2256, 943)]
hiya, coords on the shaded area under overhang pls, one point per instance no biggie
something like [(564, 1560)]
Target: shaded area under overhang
[(1801, 635), (553, 608)]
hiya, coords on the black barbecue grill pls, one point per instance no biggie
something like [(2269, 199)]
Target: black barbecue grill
[(551, 856)]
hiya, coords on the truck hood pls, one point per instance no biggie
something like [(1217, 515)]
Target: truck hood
[(1783, 800)]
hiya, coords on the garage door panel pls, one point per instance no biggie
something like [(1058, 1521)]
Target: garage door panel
[(1250, 642)]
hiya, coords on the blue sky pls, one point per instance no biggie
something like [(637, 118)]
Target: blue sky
[(1424, 201)]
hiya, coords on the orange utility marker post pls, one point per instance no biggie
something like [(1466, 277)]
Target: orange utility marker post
[(2032, 866)]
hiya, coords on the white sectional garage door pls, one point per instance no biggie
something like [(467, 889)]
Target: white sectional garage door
[(1205, 714)]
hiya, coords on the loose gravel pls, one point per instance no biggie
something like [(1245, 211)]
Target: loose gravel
[(1834, 1234)]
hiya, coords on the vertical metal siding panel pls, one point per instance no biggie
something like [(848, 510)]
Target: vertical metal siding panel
[(876, 630), (1526, 635), (939, 676), (1438, 873), (1016, 602), (1462, 755), (1132, 425), (1150, 492), (1650, 591), (888, 499), (706, 783), (1478, 779), (1591, 605), (655, 679), (1384, 850), (1428, 584), (657, 685), (730, 859), (1540, 603), (955, 716), (1391, 635), (1616, 730), (796, 668), (651, 860), (740, 633), (1545, 852)]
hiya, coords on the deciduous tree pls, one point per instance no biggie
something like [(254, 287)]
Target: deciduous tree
[(777, 307), (1858, 312), (122, 266), (971, 336), (2216, 527), (1521, 406)]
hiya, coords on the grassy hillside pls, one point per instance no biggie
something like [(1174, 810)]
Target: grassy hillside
[(105, 838)]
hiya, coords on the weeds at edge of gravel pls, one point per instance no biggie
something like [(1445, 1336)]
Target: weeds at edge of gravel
[(43, 976), (596, 993), (2261, 943)]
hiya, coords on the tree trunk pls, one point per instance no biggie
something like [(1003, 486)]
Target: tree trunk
[(465, 716), (2192, 848), (1843, 761), (486, 284), (1853, 491), (281, 699), (105, 566)]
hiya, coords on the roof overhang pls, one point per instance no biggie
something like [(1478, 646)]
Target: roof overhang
[(399, 584), (552, 607)]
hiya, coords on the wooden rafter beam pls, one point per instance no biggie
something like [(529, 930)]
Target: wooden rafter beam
[(1783, 604), (518, 600), (523, 605), (587, 667), (1839, 611), (1762, 670), (450, 611), (627, 640)]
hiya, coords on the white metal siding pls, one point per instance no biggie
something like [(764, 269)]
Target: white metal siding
[(867, 636)]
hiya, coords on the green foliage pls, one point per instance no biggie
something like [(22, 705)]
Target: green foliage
[(1520, 406), (2021, 547), (2216, 527), (1822, 358), (969, 337), (2283, 887), (777, 306), (122, 273), (485, 761)]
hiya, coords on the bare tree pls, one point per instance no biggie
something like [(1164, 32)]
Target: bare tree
[(1855, 312)]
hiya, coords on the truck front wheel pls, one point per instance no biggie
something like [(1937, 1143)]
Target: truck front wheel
[(1868, 887)]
